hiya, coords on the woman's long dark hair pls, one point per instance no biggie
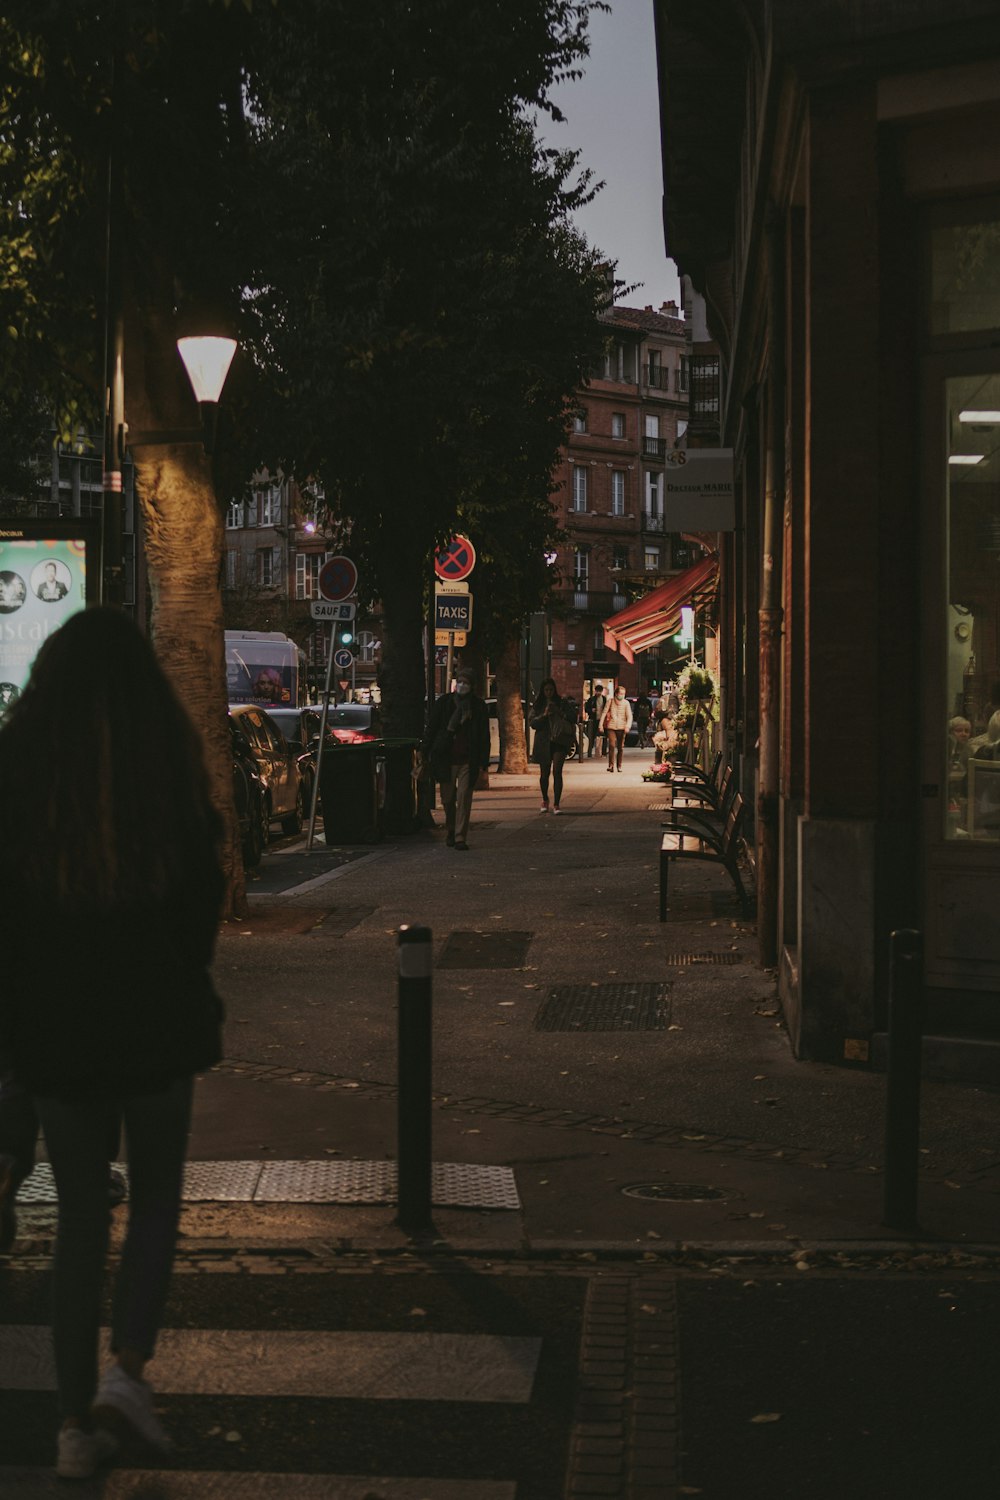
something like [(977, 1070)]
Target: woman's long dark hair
[(541, 700), (104, 800)]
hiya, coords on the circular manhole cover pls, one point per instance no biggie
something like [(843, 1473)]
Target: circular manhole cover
[(674, 1192)]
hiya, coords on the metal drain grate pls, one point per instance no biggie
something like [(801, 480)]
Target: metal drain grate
[(702, 958), (660, 807), (485, 950), (605, 1007), (453, 1184)]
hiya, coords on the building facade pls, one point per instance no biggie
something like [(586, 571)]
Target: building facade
[(609, 494), (832, 191), (275, 545)]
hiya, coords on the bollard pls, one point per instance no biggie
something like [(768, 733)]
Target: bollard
[(413, 1125), (902, 1116)]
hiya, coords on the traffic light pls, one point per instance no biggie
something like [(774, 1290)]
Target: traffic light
[(345, 635)]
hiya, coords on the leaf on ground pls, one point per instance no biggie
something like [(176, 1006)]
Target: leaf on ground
[(767, 1416)]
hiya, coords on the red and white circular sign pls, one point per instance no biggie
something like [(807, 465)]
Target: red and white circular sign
[(338, 579), (456, 561)]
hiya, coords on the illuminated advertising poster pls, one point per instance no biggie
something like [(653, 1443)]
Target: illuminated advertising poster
[(44, 568)]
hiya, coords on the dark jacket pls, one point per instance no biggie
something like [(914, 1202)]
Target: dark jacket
[(439, 739), (113, 1003), (541, 723)]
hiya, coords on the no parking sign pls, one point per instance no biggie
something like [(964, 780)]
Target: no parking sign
[(456, 561)]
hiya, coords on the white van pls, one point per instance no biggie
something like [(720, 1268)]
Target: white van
[(266, 668)]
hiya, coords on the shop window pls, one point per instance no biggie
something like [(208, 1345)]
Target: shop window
[(965, 277), (970, 738)]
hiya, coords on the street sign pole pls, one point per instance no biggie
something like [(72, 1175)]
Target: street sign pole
[(322, 738), (451, 654)]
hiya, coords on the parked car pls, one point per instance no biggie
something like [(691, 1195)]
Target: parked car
[(353, 723), (248, 794), (280, 773)]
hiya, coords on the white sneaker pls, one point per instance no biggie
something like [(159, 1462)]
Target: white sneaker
[(80, 1454), (544, 807), (124, 1402), (556, 811)]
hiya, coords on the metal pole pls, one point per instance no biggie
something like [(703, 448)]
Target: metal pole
[(414, 1075), (322, 738), (112, 559), (902, 1115), (451, 661)]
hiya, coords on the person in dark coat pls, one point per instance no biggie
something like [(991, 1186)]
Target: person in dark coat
[(457, 745), (109, 849), (555, 733)]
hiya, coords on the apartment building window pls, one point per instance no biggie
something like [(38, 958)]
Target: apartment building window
[(266, 567), (654, 516), (229, 575), (234, 515), (581, 576), (620, 559), (307, 566), (651, 558), (270, 505), (654, 371), (618, 362), (617, 424), (683, 376), (580, 420), (617, 492), (367, 646), (579, 488)]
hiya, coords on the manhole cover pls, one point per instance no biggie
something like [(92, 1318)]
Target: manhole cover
[(605, 1007), (485, 950), (674, 1192), (702, 958)]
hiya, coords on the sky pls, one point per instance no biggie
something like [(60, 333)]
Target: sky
[(612, 116)]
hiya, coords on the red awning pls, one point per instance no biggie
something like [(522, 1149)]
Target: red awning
[(658, 614)]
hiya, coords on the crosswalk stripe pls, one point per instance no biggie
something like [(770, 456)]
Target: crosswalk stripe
[(134, 1484), (279, 1362)]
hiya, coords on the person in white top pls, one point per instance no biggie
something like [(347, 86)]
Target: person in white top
[(616, 722)]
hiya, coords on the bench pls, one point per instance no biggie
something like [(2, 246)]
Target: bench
[(685, 771), (714, 798), (693, 837)]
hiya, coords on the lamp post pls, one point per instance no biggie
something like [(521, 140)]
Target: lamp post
[(206, 358)]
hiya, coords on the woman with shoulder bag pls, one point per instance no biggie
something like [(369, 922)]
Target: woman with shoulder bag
[(554, 735), (110, 850)]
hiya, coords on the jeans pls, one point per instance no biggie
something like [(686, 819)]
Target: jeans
[(456, 799), (76, 1134), (616, 744)]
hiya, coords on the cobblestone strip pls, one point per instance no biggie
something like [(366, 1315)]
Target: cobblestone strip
[(653, 1438), (985, 1178), (625, 1437)]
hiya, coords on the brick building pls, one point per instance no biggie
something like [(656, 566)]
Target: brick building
[(609, 491)]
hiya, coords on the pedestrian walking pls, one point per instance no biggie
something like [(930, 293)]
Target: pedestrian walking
[(555, 734), (594, 709), (109, 839), (643, 712), (457, 746), (616, 723)]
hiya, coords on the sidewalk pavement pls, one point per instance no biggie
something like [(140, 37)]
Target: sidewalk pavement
[(711, 1116), (703, 1130)]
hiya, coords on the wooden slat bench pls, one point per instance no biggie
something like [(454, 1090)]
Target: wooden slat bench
[(695, 838)]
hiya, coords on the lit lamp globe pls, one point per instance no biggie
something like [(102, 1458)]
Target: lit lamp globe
[(207, 359)]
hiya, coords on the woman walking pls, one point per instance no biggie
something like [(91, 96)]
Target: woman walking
[(109, 847), (555, 733)]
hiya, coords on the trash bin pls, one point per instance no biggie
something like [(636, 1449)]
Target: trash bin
[(348, 785), (399, 808)]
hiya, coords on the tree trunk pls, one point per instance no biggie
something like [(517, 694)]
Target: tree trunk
[(183, 540), (513, 751), (403, 667)]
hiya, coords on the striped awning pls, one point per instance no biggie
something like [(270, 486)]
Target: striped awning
[(658, 614)]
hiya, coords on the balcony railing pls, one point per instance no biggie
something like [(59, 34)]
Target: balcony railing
[(657, 377), (602, 602), (654, 447), (651, 521)]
